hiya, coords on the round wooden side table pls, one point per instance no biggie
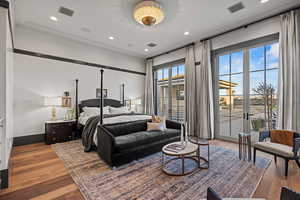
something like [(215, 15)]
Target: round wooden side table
[(182, 155), (205, 143)]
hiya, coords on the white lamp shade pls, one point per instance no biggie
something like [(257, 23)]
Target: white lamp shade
[(136, 101), (53, 101)]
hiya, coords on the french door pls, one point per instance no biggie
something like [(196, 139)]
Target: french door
[(246, 90), (169, 90)]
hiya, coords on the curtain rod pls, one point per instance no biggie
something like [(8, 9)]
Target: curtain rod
[(172, 50), (229, 31)]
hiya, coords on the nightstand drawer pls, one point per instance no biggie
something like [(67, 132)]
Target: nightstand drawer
[(59, 132)]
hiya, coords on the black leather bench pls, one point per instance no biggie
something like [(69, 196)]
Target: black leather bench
[(122, 143)]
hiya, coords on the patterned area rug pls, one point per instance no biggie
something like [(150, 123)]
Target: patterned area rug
[(144, 179)]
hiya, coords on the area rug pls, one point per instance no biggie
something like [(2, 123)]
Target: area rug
[(144, 179)]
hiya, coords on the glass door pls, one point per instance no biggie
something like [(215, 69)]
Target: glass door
[(231, 93), (247, 90), (169, 91), (263, 88)]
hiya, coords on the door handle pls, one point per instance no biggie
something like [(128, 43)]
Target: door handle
[(249, 114)]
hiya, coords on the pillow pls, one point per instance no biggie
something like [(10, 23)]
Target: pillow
[(158, 119), (93, 111), (120, 110), (282, 137), (155, 126)]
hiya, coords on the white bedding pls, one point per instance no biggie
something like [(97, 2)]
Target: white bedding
[(111, 120)]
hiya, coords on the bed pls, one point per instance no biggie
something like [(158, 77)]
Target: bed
[(89, 118)]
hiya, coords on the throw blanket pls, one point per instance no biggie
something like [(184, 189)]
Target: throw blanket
[(90, 127), (88, 132)]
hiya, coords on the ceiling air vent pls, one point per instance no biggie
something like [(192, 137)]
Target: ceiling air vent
[(66, 11), (151, 44), (236, 7)]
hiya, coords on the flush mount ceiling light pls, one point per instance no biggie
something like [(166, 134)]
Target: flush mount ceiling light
[(146, 50), (148, 13), (111, 38), (186, 33)]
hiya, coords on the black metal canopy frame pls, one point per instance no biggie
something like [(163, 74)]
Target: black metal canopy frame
[(101, 100)]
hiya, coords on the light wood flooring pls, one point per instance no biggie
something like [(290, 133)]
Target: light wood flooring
[(37, 173)]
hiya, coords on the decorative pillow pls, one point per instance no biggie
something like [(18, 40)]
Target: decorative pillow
[(120, 110), (155, 126), (93, 111), (282, 137), (158, 119)]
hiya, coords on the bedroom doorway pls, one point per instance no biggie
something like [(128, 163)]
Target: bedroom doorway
[(246, 89)]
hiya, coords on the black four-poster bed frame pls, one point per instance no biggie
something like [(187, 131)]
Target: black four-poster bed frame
[(101, 102)]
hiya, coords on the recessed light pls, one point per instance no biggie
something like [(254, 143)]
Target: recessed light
[(264, 1), (53, 18), (186, 33), (111, 38), (146, 50)]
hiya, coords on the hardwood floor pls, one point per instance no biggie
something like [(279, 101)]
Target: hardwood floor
[(37, 173)]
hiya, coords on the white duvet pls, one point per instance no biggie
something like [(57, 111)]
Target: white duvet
[(111, 120)]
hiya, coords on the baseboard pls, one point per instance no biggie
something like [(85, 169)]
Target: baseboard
[(4, 179), (29, 139)]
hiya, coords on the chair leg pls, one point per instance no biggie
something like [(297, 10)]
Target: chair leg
[(275, 159), (286, 166), (254, 155), (298, 163)]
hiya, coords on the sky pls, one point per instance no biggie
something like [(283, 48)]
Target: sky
[(260, 58)]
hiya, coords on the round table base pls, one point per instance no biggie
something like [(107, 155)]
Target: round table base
[(204, 165), (183, 172)]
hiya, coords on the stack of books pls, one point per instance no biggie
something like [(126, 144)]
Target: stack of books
[(175, 148)]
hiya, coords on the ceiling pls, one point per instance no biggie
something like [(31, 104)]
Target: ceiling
[(94, 21)]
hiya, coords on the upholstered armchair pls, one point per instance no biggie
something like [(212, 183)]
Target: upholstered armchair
[(286, 194), (280, 143)]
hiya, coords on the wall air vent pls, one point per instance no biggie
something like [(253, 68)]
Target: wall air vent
[(66, 11), (151, 44), (236, 7)]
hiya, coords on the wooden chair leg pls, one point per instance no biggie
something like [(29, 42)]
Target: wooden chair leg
[(298, 163), (254, 155), (275, 159), (286, 167)]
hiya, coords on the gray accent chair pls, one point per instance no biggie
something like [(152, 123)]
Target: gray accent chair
[(278, 150)]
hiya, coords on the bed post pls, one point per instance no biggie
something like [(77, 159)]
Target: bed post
[(123, 92), (101, 97), (76, 101)]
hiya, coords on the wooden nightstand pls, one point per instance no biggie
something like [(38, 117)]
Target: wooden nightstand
[(59, 131)]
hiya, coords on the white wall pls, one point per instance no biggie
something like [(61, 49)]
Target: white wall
[(36, 77), (258, 30), (254, 31), (6, 89)]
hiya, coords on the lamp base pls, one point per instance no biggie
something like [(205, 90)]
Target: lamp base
[(53, 114)]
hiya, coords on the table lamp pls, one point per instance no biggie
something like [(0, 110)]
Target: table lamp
[(135, 103), (53, 102)]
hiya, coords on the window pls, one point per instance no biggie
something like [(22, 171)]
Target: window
[(247, 84), (169, 83)]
